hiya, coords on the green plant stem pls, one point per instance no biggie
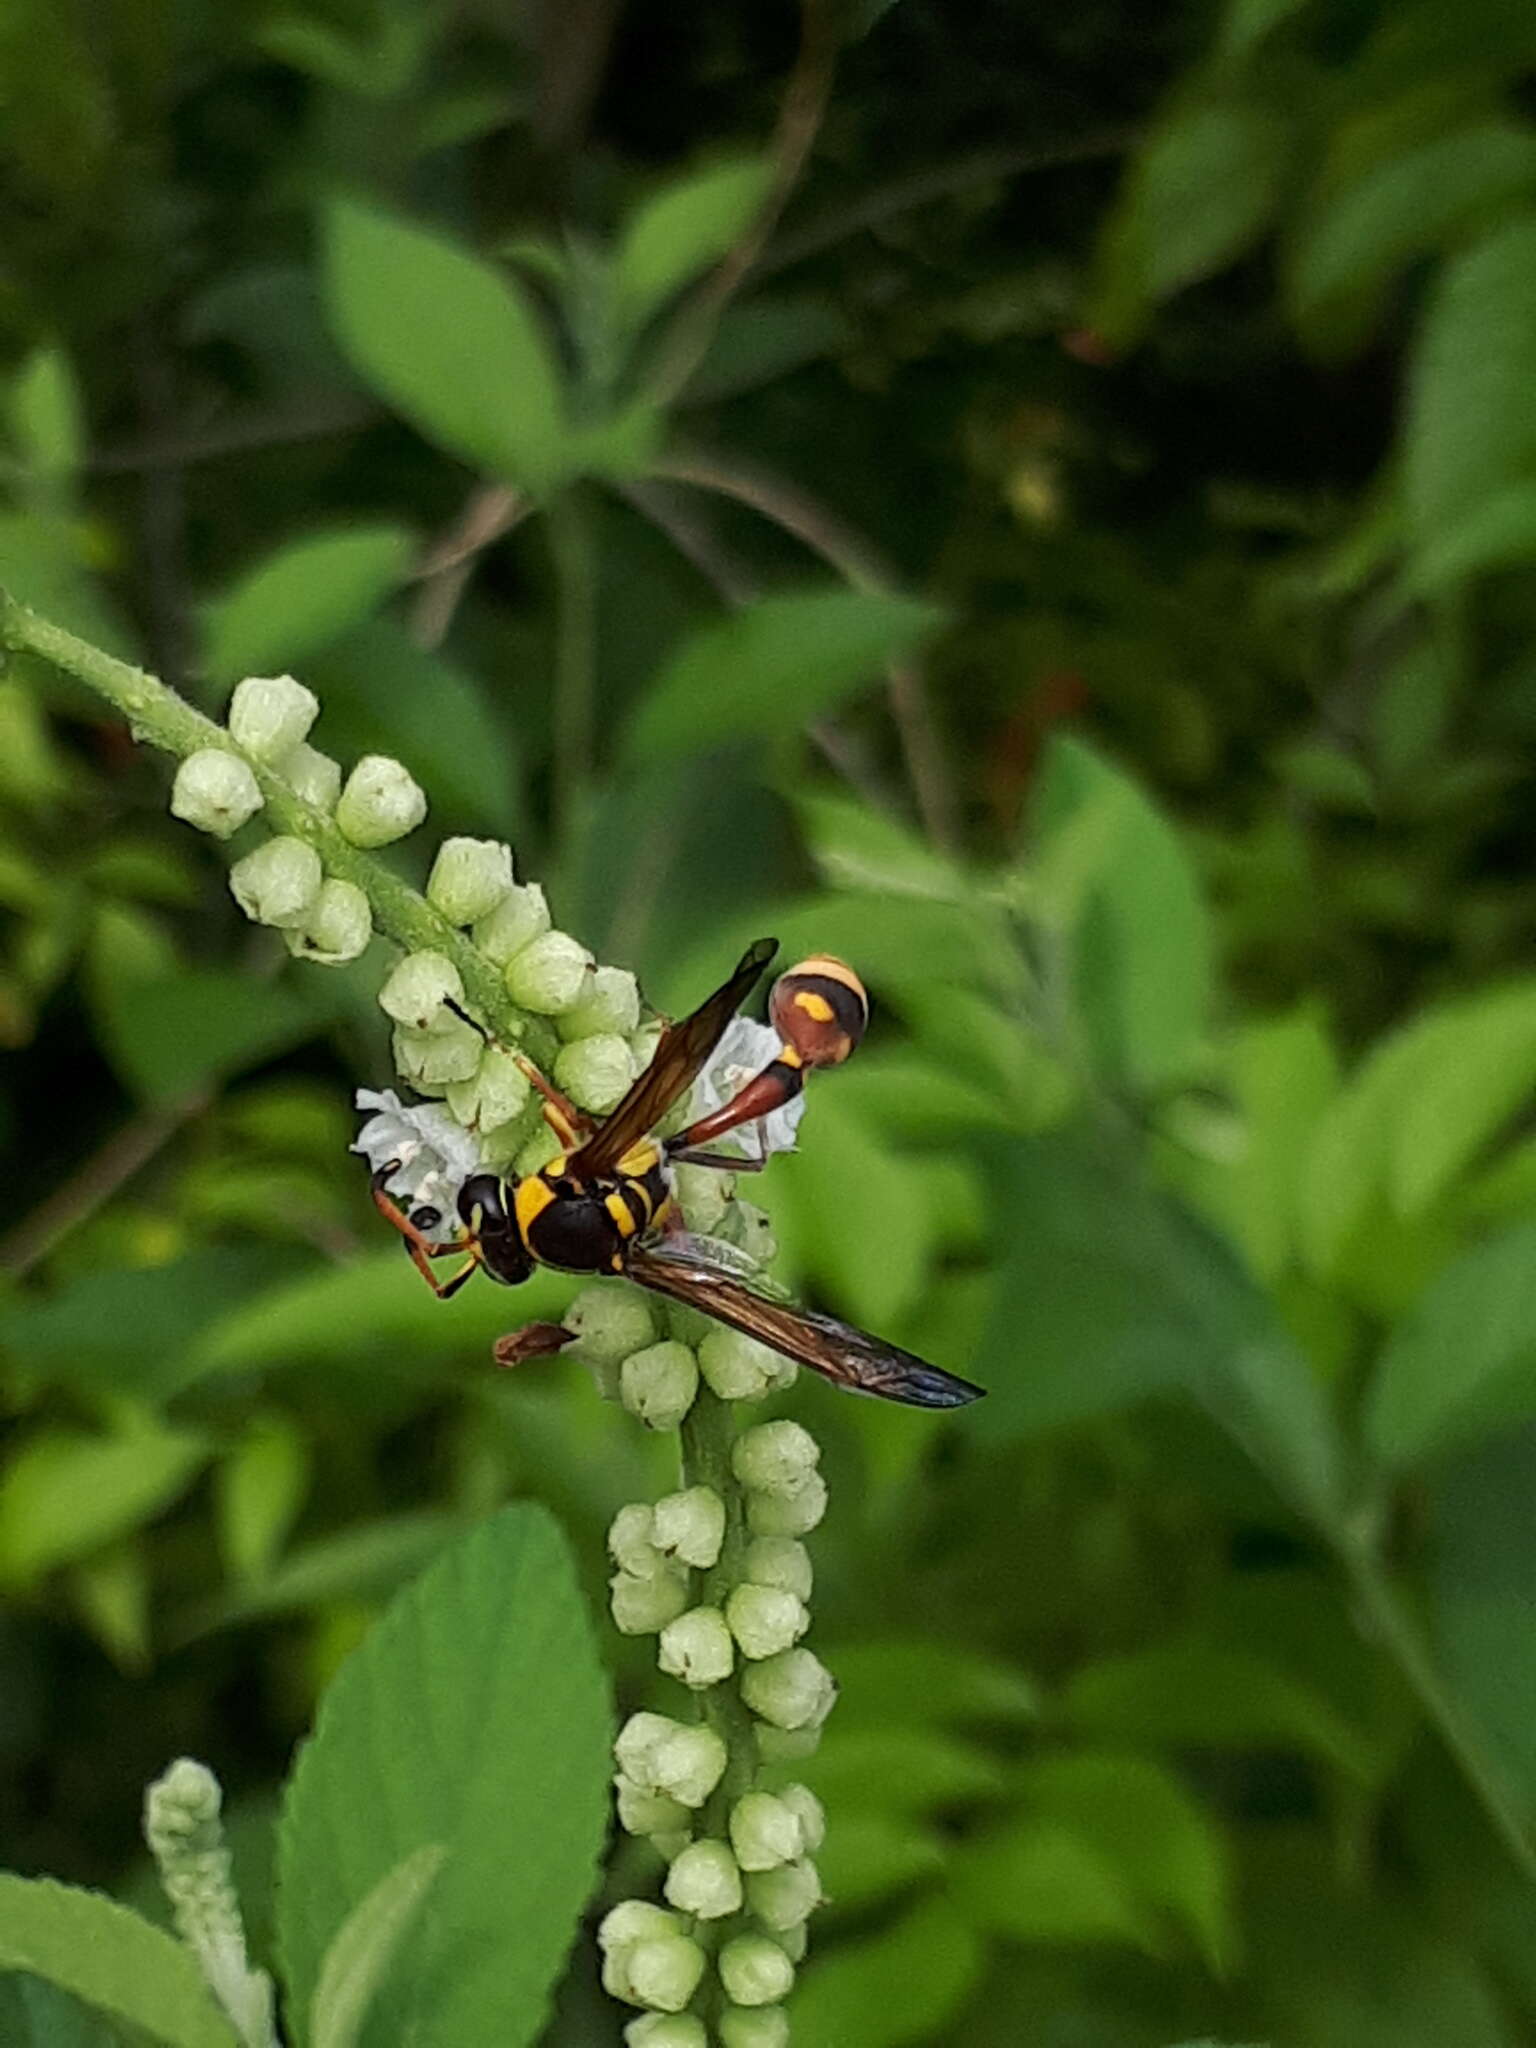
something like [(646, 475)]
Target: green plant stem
[(575, 562), (708, 1432), (157, 714), (1388, 1615)]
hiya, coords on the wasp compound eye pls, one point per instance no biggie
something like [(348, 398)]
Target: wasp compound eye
[(820, 1008)]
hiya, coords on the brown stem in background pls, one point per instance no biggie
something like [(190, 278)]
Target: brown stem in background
[(801, 113), (863, 567), (490, 511)]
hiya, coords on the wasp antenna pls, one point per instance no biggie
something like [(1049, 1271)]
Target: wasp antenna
[(473, 1022)]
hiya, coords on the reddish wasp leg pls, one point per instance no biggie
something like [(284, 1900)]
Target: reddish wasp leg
[(560, 1113), (419, 1246)]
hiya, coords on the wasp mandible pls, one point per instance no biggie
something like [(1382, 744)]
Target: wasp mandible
[(605, 1204)]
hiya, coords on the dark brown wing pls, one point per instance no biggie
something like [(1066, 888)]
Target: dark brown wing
[(848, 1357), (680, 1059)]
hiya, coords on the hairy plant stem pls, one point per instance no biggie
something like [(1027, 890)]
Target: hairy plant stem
[(157, 714), (708, 1432)]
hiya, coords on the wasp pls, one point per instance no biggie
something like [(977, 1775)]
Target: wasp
[(605, 1204)]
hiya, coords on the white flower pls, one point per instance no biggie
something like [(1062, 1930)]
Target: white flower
[(744, 1050), (436, 1156)]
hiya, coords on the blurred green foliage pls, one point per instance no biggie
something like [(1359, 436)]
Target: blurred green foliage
[(1145, 396)]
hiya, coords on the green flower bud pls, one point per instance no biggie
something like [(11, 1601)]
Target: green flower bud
[(538, 1152), (665, 1973), (809, 1811), (380, 803), (697, 1648), (794, 1941), (611, 1003), (630, 1543), (642, 1605), (431, 1060), (658, 1384), (763, 2026), (495, 1094), (752, 1230), (755, 1971), (611, 1321), (520, 917), (786, 1745), (414, 991), (215, 791), (469, 878), (785, 1897), (337, 929), (314, 778), (705, 1196), (644, 1041), (775, 1457), (765, 1620), (683, 1761), (278, 883), (550, 974), (270, 715), (765, 1831), (499, 1145), (670, 1843), (665, 2030), (794, 1514), (736, 1367), (633, 1920), (792, 1690), (185, 1834), (704, 1881), (642, 1812), (778, 1561), (690, 1526), (595, 1072)]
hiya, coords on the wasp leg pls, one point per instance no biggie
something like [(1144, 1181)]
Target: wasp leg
[(726, 1161), (420, 1247), (560, 1113)]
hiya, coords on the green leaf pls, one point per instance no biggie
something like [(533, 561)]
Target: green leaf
[(304, 596), (870, 1856), (1140, 1819), (169, 1037), (683, 229), (1284, 1074), (65, 1493), (1246, 23), (475, 1715), (901, 1986), (849, 1191), (383, 694), (917, 1678), (1040, 1881), (110, 1958), (1141, 939), (1198, 193), (44, 414), (36, 2014), (1110, 1292), (1199, 1696), (260, 1488), (772, 668), (1464, 1360), (366, 1562), (1500, 533), (1398, 212), (1471, 433), (899, 1769), (448, 341), (364, 1947)]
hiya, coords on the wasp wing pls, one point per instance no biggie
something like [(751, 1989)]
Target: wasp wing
[(849, 1357), (679, 1060)]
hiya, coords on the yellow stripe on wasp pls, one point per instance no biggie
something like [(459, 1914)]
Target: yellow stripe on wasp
[(604, 1205)]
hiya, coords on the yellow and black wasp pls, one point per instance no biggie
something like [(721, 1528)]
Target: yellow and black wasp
[(605, 1204)]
